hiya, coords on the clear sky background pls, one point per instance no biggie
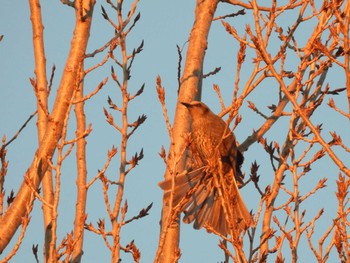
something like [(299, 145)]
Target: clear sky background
[(163, 24)]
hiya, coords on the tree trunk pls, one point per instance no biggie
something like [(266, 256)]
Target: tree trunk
[(190, 89)]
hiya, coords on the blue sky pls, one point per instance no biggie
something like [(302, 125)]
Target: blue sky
[(163, 24)]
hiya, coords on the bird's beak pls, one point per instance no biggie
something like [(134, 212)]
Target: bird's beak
[(187, 105)]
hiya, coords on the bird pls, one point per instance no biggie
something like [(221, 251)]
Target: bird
[(213, 179)]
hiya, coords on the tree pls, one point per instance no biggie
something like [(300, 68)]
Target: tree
[(304, 88), (289, 51), (53, 129)]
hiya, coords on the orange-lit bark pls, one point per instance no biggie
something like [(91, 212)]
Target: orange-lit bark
[(41, 91), (190, 89), (11, 219)]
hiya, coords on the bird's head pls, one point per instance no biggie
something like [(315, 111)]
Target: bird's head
[(196, 108)]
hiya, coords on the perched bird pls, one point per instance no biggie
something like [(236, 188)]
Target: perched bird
[(213, 180)]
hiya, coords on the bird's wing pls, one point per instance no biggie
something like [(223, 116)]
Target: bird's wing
[(183, 183)]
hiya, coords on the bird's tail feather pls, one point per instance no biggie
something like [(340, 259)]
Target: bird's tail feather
[(205, 206), (183, 183)]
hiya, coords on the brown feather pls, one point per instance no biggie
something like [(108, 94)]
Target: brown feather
[(217, 199)]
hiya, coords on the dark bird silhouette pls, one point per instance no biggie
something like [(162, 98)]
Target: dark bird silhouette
[(213, 179)]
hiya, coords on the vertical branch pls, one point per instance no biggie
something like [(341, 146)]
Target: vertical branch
[(296, 210), (61, 155), (41, 92), (116, 226), (266, 222), (80, 215), (124, 133), (118, 212), (3, 172), (341, 234), (346, 31)]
